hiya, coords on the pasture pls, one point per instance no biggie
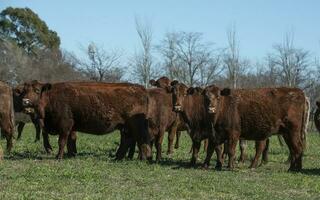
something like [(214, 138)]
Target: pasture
[(29, 173)]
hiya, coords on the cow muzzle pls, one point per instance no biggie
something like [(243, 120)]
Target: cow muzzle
[(29, 110), (177, 108), (26, 102), (212, 110)]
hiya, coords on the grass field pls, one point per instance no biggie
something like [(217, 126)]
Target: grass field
[(93, 174)]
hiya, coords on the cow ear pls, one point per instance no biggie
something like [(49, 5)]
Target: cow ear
[(318, 104), (199, 89), (173, 83), (191, 90), (152, 82), (225, 92), (34, 82), (46, 87)]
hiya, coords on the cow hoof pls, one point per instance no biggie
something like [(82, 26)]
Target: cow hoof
[(48, 151), (205, 166), (70, 155), (294, 170), (218, 167)]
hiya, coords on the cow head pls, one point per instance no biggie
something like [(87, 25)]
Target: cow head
[(179, 92), (213, 96), (17, 93), (31, 94), (163, 82)]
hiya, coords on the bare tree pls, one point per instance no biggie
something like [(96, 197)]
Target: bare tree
[(189, 59), (17, 66), (142, 61), (101, 65), (233, 63), (292, 62)]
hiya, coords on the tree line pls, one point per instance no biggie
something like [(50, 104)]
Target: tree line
[(30, 50)]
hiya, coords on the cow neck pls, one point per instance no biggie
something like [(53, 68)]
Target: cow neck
[(226, 109), (194, 110), (43, 102)]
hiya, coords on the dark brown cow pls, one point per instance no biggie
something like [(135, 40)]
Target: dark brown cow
[(94, 108), (6, 113), (317, 116), (189, 103), (255, 115), (161, 117), (174, 131), (21, 118)]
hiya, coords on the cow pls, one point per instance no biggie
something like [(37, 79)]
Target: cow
[(6, 114), (189, 103), (316, 118), (164, 83), (256, 114), (89, 107), (21, 119), (161, 118)]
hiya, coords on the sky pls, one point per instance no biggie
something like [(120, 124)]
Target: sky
[(111, 24)]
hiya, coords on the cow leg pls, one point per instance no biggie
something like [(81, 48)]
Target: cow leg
[(171, 135), (205, 145), (46, 142), (178, 134), (218, 150), (243, 145), (159, 141), (132, 149), (141, 135), (260, 146), (232, 143), (265, 152), (121, 152), (72, 144), (20, 129), (295, 146), (62, 142), (36, 124), (195, 151), (38, 131)]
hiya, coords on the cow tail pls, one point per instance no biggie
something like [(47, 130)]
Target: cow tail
[(12, 118), (305, 122), (316, 116)]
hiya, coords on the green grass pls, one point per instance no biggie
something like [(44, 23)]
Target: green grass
[(31, 174)]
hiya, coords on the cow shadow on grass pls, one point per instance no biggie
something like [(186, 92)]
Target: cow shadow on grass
[(313, 171), (27, 155), (178, 164)]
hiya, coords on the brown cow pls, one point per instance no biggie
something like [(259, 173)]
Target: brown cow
[(317, 116), (189, 103), (161, 118), (175, 131), (255, 115), (21, 118), (6, 113), (94, 108)]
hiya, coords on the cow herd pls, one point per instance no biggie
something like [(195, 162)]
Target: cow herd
[(219, 116)]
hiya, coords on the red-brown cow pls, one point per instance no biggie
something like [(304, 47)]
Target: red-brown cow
[(316, 117), (6, 113), (174, 131), (189, 103), (256, 114), (94, 108)]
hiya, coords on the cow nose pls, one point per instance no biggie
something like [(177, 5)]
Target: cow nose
[(177, 108), (26, 102), (212, 109)]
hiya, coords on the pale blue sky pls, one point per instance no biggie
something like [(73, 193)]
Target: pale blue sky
[(260, 24)]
